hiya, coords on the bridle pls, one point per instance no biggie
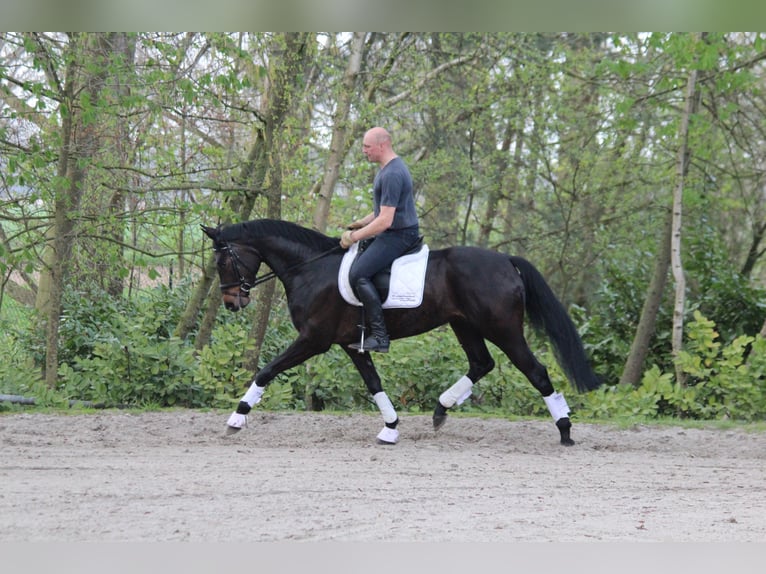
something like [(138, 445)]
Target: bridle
[(237, 263), (242, 282)]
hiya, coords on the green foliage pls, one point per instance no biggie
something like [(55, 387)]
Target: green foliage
[(657, 396), (715, 288), (122, 352), (219, 372), (18, 373), (608, 327), (728, 378), (139, 371), (90, 317), (330, 381), (718, 289), (419, 369), (724, 381)]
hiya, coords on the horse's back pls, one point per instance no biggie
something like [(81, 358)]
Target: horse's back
[(473, 276), (475, 263)]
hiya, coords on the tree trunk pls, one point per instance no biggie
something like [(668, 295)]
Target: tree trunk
[(754, 253), (639, 349), (682, 167), (340, 133), (286, 71), (80, 142), (122, 46), (520, 198), (498, 190)]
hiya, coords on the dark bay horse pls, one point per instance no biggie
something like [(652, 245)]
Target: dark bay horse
[(482, 294)]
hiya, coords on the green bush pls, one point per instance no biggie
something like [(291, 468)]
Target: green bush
[(219, 374), (608, 327), (90, 318), (718, 290), (657, 396), (123, 352), (138, 371), (729, 378), (19, 373), (723, 381)]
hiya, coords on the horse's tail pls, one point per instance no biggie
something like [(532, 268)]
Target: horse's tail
[(547, 315)]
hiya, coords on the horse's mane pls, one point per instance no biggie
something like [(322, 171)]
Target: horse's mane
[(259, 228)]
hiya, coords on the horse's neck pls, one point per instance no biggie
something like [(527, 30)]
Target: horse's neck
[(279, 255)]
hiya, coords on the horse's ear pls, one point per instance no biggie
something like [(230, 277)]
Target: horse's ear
[(211, 232)]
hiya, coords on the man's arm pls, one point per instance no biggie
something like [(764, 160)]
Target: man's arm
[(359, 223), (375, 225)]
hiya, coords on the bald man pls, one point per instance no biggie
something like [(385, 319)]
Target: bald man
[(394, 226)]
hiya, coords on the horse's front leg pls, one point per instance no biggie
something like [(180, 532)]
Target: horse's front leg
[(365, 366), (299, 351)]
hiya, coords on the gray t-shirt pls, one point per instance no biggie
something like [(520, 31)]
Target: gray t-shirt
[(393, 188)]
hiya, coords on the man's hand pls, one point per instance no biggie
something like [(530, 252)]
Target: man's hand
[(345, 239)]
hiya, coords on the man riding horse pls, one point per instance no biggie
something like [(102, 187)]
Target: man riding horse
[(393, 224)]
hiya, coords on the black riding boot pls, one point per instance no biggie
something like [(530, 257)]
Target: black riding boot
[(378, 340)]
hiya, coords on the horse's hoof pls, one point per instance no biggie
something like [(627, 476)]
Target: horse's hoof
[(236, 422), (388, 436), (440, 416), (232, 430), (565, 426), (439, 421)]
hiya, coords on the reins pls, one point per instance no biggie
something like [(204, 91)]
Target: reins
[(243, 283)]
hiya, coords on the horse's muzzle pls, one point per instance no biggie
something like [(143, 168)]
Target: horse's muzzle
[(235, 302)]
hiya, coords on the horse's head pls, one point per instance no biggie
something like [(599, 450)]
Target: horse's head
[(237, 268)]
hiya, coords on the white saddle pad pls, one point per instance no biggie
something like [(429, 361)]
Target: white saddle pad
[(408, 277)]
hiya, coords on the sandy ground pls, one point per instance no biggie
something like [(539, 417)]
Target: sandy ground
[(174, 476)]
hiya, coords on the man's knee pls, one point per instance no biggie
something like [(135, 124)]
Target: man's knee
[(357, 273), (353, 279)]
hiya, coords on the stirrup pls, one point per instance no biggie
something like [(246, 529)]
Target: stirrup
[(371, 344)]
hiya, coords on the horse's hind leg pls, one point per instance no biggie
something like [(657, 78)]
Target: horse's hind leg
[(480, 363), (515, 346), (365, 366)]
